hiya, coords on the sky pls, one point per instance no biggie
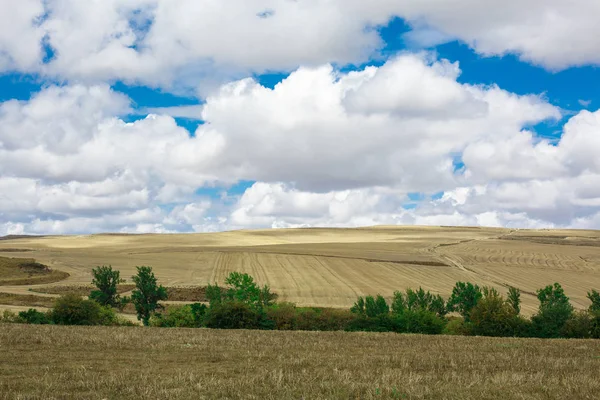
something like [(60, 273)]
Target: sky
[(164, 116)]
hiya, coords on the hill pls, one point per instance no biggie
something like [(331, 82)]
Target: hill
[(331, 267)]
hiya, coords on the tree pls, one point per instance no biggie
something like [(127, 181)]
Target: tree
[(594, 297), (359, 307), (398, 303), (375, 306), (554, 311), (106, 280), (464, 297), (147, 294), (243, 289), (514, 299)]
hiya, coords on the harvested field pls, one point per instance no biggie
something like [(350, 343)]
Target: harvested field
[(331, 267), (188, 294), (27, 271), (45, 362), (26, 300), (80, 290)]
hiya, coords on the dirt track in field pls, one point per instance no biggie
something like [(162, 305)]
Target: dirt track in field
[(331, 267)]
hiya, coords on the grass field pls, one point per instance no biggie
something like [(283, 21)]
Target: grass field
[(331, 267), (54, 362)]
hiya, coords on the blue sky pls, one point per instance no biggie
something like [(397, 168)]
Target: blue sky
[(259, 132)]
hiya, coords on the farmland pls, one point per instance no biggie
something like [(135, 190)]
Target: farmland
[(331, 267), (54, 362)]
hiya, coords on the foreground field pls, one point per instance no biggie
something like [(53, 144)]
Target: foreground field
[(53, 362), (331, 267)]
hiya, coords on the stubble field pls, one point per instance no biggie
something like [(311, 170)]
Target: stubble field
[(58, 362), (331, 267)]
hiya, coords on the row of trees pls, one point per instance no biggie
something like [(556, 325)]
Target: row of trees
[(241, 303), (99, 308)]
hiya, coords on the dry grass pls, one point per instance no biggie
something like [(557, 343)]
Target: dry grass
[(26, 271), (79, 290), (331, 267), (190, 293), (51, 362), (26, 300)]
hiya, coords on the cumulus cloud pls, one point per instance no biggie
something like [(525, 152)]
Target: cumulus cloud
[(325, 148), (186, 43)]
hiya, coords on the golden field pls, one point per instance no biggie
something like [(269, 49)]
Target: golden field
[(331, 267), (58, 362)]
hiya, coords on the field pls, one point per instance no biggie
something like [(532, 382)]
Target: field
[(54, 362), (331, 267)]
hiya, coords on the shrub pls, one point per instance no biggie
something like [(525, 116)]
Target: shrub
[(236, 315), (71, 309), (493, 316), (147, 294), (421, 321), (578, 326), (594, 297), (177, 317), (554, 311), (106, 280), (379, 323), (286, 316), (458, 326), (33, 316), (9, 317), (464, 297), (283, 315), (595, 328)]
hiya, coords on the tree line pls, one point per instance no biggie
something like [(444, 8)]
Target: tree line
[(242, 304)]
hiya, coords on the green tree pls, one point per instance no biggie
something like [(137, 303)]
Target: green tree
[(147, 294), (514, 299), (594, 297), (464, 297), (554, 311), (243, 289), (359, 307), (106, 280), (398, 303)]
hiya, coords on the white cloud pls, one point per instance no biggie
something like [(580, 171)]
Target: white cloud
[(181, 44), (327, 148)]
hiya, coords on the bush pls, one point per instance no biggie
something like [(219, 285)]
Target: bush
[(33, 316), (187, 316), (71, 309), (493, 316), (458, 326), (380, 323), (578, 326), (284, 316), (594, 297), (421, 321), (595, 328), (236, 315), (9, 317)]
